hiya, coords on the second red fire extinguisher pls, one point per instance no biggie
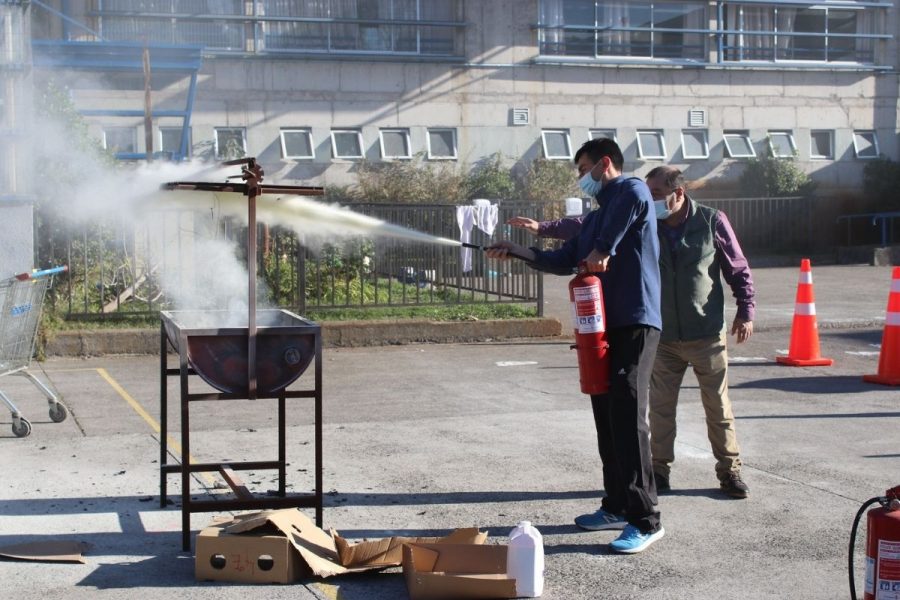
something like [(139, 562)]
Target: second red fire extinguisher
[(589, 320), (882, 547)]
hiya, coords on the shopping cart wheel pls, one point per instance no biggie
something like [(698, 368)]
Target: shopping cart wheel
[(58, 412), (22, 427)]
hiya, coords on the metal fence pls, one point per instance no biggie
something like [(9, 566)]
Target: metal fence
[(118, 269), (781, 225)]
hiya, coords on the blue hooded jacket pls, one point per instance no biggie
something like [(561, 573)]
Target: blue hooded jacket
[(623, 226)]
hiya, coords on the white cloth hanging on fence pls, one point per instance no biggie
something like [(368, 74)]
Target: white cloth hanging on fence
[(483, 215)]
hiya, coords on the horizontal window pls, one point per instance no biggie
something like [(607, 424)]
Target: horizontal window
[(651, 144), (821, 144), (865, 144), (231, 142), (441, 143), (662, 30), (297, 143), (395, 143), (170, 142), (749, 31), (738, 144), (777, 32), (556, 144), (346, 143), (609, 134), (781, 144), (120, 139), (413, 27), (694, 143)]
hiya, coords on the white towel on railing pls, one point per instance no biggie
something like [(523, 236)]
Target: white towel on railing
[(483, 215)]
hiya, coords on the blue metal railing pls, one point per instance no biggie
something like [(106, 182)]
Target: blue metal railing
[(884, 221)]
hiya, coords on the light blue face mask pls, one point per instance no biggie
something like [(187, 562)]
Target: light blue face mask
[(589, 185), (662, 211)]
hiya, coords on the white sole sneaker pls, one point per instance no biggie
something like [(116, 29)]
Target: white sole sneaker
[(649, 539)]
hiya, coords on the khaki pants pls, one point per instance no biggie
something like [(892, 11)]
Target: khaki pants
[(709, 359)]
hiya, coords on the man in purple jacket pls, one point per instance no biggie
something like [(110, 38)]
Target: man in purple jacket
[(696, 244)]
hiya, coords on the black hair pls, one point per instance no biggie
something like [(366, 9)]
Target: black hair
[(674, 178), (600, 147)]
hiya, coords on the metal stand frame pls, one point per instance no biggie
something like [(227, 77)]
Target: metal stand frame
[(244, 500)]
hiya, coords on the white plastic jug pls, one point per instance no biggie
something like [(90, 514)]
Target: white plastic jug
[(525, 560)]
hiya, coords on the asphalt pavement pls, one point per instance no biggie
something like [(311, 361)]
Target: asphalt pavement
[(422, 439)]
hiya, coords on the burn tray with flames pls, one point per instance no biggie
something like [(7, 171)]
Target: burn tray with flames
[(248, 356)]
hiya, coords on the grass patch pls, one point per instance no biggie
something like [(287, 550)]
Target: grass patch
[(456, 312)]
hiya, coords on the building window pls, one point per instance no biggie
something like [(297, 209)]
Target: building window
[(120, 140), (865, 144), (170, 142), (556, 144), (792, 32), (441, 144), (346, 143), (416, 27), (231, 142), (297, 143), (837, 32), (651, 144), (821, 144), (738, 144), (395, 143), (644, 29), (694, 143), (595, 134), (781, 144)]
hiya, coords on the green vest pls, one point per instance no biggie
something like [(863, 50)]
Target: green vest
[(693, 304)]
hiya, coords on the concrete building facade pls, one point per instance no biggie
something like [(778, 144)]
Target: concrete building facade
[(312, 87), (16, 231)]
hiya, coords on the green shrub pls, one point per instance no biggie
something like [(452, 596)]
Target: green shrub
[(414, 181), (548, 181), (770, 177), (881, 185), (491, 179)]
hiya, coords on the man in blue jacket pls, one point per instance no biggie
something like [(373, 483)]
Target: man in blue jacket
[(618, 241)]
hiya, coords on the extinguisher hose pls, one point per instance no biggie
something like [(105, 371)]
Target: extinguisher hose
[(859, 514)]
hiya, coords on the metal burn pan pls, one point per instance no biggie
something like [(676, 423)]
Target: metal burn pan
[(216, 344)]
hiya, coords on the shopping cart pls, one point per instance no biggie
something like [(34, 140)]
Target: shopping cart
[(21, 298)]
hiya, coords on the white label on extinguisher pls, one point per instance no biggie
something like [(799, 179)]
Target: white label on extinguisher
[(887, 584), (588, 309)]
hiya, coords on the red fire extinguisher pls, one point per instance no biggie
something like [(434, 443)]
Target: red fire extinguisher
[(882, 547), (589, 319)]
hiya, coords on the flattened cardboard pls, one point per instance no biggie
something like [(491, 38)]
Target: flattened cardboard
[(388, 552), (456, 572), (50, 551), (294, 548)]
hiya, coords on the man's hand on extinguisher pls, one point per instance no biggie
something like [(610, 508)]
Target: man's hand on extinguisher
[(596, 262), (505, 250)]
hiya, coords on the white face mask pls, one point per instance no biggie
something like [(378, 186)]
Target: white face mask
[(662, 210), (589, 185)]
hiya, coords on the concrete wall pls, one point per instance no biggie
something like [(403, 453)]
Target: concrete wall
[(500, 73)]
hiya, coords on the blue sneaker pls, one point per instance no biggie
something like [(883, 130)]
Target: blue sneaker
[(632, 541), (600, 520)]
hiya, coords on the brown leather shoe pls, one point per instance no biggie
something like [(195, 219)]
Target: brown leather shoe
[(734, 486)]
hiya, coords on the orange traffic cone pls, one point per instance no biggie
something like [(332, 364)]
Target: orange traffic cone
[(804, 350), (889, 358)]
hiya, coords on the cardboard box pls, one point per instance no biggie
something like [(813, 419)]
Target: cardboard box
[(456, 572), (283, 546)]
